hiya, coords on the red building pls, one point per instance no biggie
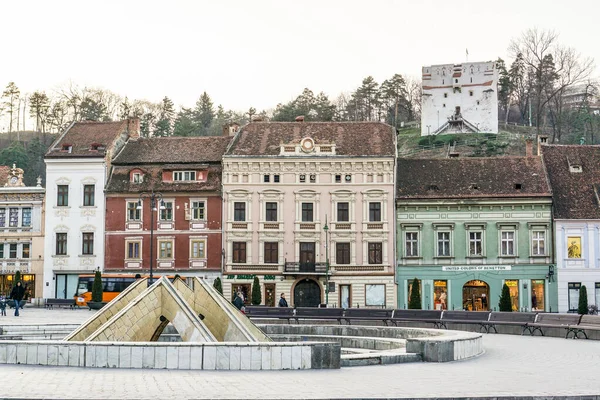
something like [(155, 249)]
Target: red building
[(184, 174)]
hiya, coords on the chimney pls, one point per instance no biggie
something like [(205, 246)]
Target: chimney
[(230, 128), (133, 127), (300, 118), (529, 148), (542, 139)]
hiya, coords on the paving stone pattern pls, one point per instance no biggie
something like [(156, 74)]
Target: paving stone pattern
[(511, 366)]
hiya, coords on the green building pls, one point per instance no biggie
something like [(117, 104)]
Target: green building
[(467, 226)]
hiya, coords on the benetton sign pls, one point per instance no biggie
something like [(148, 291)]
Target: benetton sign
[(477, 268)]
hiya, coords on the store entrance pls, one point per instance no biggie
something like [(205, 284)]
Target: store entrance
[(476, 294), (307, 293)]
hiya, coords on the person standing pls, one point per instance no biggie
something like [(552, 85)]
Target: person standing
[(283, 301), (238, 302), (17, 294)]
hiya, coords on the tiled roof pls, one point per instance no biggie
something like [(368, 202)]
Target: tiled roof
[(4, 172), (471, 178), (119, 181), (81, 135), (175, 150), (573, 193), (350, 138)]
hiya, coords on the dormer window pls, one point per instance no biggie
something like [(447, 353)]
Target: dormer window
[(96, 147), (67, 148), (137, 177), (518, 186), (184, 176), (474, 186), (433, 188), (575, 165)]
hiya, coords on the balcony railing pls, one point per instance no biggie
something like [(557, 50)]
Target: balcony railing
[(305, 268)]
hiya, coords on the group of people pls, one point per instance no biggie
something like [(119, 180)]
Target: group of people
[(238, 301)]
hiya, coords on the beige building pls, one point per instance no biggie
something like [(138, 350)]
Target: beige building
[(21, 232), (306, 204)]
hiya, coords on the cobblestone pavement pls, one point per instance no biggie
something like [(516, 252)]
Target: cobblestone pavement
[(511, 366)]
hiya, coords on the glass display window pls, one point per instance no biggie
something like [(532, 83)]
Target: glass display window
[(538, 299), (440, 295), (513, 288)]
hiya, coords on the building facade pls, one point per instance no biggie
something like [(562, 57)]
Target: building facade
[(574, 173), (309, 210), (459, 98), (465, 227), (76, 166), (184, 226), (21, 233)]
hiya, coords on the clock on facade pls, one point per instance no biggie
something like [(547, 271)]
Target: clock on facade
[(14, 180), (307, 144)]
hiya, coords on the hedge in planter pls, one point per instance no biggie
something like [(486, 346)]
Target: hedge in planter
[(256, 296), (505, 303), (583, 301), (97, 289), (414, 303)]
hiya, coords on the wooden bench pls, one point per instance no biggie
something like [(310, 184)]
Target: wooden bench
[(432, 316), (466, 317), (368, 314), (319, 313), (509, 318), (50, 303), (587, 322), (270, 312), (548, 320)]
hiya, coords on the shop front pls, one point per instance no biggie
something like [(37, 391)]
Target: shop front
[(478, 287)]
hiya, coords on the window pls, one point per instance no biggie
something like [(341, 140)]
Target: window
[(375, 212), (12, 248), (13, 217), (198, 211), (89, 192), (443, 244), (62, 199), (307, 212), (302, 178), (271, 211), (133, 250), (166, 213), (133, 214), (26, 250), (239, 252), (475, 244), (507, 243), (375, 295), (276, 178), (596, 296), (61, 244), (271, 252), (342, 253), (239, 211), (1, 250), (456, 81), (538, 243), (2, 217), (26, 216), (375, 253), (574, 246), (184, 176), (166, 249), (313, 178), (445, 95), (338, 179), (138, 177), (574, 288), (88, 244), (444, 105), (266, 178), (348, 178), (412, 244), (343, 212), (470, 93), (198, 249)]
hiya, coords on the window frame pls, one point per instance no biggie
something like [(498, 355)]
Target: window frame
[(62, 195), (375, 212), (535, 242), (26, 254), (343, 253), (87, 243), (270, 211), (137, 212), (507, 242), (411, 245), (169, 249), (128, 244), (197, 249), (304, 212), (272, 252), (573, 286), (89, 195), (13, 251), (167, 214), (184, 176), (238, 252), (375, 253), (198, 210), (239, 211), (61, 244), (26, 222), (340, 212), (447, 241)]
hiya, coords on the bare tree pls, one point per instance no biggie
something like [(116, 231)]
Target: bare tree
[(554, 66)]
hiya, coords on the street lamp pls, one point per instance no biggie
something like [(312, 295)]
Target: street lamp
[(326, 229), (154, 198)]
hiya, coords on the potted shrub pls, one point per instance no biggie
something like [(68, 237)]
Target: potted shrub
[(256, 295), (217, 285), (505, 303), (583, 301), (97, 291), (414, 303)]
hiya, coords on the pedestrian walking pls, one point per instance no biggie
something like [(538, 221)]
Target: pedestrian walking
[(283, 301), (17, 294)]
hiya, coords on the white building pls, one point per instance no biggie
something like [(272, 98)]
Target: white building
[(76, 166), (574, 173), (460, 98)]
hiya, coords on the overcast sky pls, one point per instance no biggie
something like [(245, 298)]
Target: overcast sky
[(258, 53)]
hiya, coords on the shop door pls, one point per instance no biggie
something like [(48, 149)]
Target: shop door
[(475, 296), (307, 257), (307, 293), (345, 301), (245, 290), (270, 294), (537, 295)]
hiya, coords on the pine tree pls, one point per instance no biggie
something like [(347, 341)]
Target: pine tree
[(505, 304), (217, 285), (97, 287), (17, 276), (204, 113), (583, 301), (256, 296), (414, 303), (11, 94)]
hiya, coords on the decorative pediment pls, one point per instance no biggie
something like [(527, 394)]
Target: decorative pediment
[(88, 228), (61, 228), (89, 180), (63, 180)]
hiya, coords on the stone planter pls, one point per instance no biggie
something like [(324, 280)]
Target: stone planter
[(96, 305)]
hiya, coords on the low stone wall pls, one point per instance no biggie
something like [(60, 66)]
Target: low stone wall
[(186, 356)]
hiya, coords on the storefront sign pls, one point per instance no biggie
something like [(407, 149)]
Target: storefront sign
[(266, 277), (454, 268)]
